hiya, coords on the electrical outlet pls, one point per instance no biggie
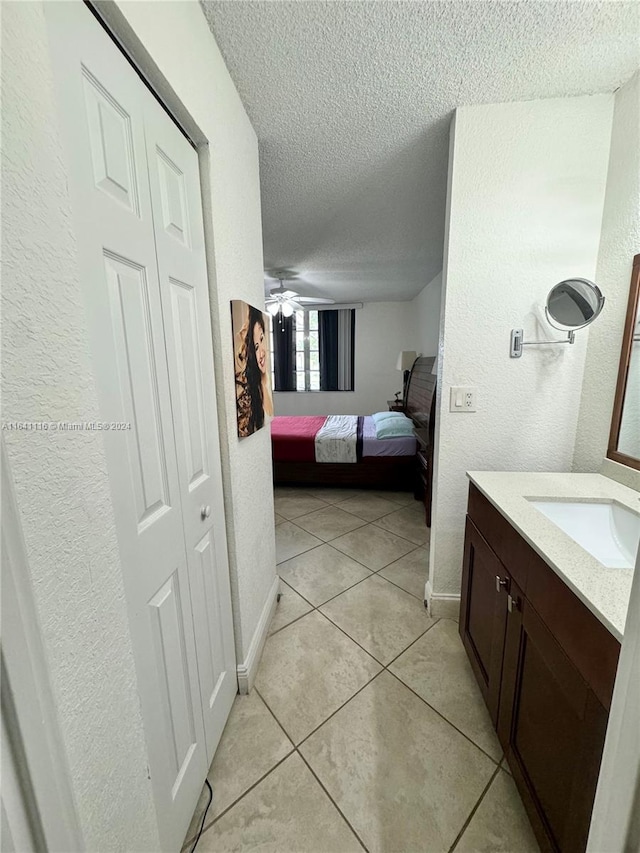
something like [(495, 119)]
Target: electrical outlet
[(462, 399)]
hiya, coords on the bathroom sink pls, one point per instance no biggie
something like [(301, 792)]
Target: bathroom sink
[(607, 530)]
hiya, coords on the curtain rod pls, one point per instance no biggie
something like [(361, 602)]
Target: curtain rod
[(338, 306)]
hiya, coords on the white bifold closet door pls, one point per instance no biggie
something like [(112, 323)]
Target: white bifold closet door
[(134, 183)]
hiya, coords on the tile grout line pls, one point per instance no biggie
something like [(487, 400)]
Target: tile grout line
[(346, 701), (318, 606), (413, 642), (295, 748), (313, 547), (365, 522), (336, 806), (393, 583), (347, 588), (337, 595), (442, 717), (397, 509), (342, 630), (280, 726), (384, 666), (371, 572), (244, 793), (474, 810), (333, 713), (349, 637)]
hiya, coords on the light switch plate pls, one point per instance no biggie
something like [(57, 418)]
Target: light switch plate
[(462, 399)]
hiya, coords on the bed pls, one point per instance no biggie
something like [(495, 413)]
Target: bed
[(388, 464)]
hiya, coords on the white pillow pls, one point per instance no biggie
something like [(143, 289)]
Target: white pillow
[(383, 417)]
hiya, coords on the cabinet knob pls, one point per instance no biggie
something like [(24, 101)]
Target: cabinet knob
[(205, 512), (501, 583)]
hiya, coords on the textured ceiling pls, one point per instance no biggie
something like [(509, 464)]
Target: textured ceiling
[(351, 102)]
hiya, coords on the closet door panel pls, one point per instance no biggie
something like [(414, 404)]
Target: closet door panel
[(189, 383), (141, 406), (177, 210), (205, 595), (101, 103)]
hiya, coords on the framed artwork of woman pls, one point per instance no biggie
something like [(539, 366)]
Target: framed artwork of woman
[(252, 364)]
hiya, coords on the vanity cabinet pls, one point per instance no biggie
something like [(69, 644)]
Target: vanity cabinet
[(546, 667), (485, 614)]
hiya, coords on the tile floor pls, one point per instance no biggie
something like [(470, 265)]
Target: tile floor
[(365, 729)]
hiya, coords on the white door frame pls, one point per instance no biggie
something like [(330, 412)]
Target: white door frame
[(31, 732)]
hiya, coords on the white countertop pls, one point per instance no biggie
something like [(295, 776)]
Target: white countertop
[(604, 591)]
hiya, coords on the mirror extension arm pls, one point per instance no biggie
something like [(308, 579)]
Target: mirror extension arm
[(517, 343)]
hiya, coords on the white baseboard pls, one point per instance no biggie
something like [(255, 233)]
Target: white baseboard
[(249, 667), (440, 605)]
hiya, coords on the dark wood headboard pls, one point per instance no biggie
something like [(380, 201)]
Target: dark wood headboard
[(421, 392)]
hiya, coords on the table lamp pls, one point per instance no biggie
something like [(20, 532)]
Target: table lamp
[(405, 363)]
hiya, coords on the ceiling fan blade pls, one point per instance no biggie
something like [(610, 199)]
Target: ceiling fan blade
[(292, 302), (313, 300), (287, 294)]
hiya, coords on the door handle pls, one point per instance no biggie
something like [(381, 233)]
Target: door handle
[(501, 583), (205, 512), (512, 603)]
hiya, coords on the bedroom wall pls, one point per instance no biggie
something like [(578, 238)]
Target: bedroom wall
[(427, 312), (383, 329), (619, 242), (525, 201)]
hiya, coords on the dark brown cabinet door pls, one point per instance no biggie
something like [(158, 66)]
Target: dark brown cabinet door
[(552, 728), (483, 613)]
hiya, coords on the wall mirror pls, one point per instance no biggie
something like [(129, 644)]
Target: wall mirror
[(571, 305), (624, 439)]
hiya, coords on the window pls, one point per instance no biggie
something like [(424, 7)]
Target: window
[(307, 351), (313, 350)]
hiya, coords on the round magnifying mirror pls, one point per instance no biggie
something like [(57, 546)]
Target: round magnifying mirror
[(574, 303)]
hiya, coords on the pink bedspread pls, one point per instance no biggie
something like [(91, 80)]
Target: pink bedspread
[(293, 437)]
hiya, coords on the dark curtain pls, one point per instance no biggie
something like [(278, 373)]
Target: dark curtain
[(328, 326), (284, 353)]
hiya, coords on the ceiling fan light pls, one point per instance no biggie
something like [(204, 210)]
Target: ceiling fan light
[(273, 308), (287, 310)]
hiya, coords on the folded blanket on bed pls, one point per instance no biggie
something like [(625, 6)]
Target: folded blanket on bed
[(336, 440)]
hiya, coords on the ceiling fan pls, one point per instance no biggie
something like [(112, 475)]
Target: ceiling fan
[(288, 301)]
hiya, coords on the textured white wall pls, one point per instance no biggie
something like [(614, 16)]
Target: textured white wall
[(619, 242), (383, 329), (231, 198), (61, 481), (427, 306), (527, 184)]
